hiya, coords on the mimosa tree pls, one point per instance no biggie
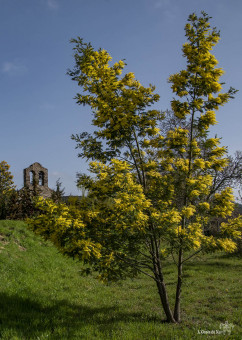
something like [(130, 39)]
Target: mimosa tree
[(150, 196)]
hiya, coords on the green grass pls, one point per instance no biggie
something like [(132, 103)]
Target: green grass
[(43, 296)]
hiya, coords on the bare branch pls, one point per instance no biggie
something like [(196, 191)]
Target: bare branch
[(188, 258), (135, 266)]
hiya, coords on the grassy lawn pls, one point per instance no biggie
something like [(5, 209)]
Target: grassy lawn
[(43, 296)]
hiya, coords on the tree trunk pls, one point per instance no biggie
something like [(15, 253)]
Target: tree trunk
[(177, 312), (162, 290), (157, 270), (164, 300)]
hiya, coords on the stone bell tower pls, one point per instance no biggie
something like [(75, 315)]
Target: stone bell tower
[(38, 174)]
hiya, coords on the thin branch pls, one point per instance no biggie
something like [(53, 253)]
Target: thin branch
[(141, 159), (126, 160), (188, 258), (136, 267), (148, 257), (135, 163)]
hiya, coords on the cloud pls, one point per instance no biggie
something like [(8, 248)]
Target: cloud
[(13, 68), (52, 4)]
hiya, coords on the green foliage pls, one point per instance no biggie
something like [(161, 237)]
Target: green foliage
[(58, 193), (152, 195), (6, 178), (6, 187), (21, 204)]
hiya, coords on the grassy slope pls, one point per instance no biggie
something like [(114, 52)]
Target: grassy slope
[(43, 296)]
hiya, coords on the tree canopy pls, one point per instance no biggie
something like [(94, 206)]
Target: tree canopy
[(151, 195)]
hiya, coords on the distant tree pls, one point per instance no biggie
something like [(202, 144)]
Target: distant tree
[(151, 196), (34, 191), (59, 192), (6, 186), (21, 204), (12, 211), (231, 175)]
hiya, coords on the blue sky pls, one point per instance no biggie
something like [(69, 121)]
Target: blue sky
[(37, 110)]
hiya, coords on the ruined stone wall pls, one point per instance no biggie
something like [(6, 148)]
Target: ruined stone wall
[(36, 172)]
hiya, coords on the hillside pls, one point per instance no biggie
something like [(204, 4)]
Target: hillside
[(43, 296)]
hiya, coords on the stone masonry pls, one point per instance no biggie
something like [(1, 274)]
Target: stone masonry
[(36, 172)]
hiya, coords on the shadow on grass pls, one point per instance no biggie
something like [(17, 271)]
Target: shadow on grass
[(29, 319)]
